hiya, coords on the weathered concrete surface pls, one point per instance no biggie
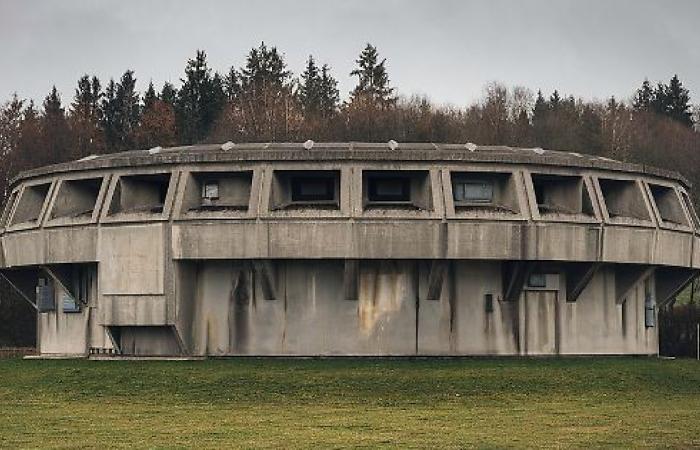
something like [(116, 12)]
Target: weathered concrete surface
[(255, 272)]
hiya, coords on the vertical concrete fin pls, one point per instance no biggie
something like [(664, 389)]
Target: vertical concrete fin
[(627, 277), (438, 269), (351, 279), (671, 281), (578, 275), (265, 270), (515, 274)]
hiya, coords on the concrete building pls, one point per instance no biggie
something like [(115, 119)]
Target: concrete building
[(348, 249)]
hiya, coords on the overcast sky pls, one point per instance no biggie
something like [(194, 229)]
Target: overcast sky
[(447, 50)]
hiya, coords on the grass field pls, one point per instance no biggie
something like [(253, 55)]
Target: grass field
[(351, 402)]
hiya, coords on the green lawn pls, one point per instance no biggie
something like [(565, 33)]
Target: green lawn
[(497, 403)]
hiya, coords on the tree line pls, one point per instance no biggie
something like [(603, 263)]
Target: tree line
[(262, 100)]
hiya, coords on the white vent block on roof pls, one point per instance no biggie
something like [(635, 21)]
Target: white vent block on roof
[(470, 146), (393, 144), (228, 145), (309, 144), (154, 150), (538, 150)]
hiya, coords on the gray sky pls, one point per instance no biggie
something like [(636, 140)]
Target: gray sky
[(448, 50)]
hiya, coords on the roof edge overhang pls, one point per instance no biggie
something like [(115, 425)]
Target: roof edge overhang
[(351, 151)]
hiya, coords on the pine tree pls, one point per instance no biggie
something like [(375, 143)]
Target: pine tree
[(659, 100), (643, 97), (373, 79), (310, 89), (11, 114), (168, 94), (268, 108), (232, 85), (109, 116), (540, 120), (55, 132), (554, 100), (264, 68), (84, 117), (150, 96), (128, 108), (200, 100), (678, 102), (330, 96)]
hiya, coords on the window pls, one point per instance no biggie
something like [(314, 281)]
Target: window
[(76, 198), (31, 203), (397, 189), (303, 189), (649, 305), (623, 198), (485, 192), (691, 210), (140, 194), (537, 280), (210, 191), (313, 189), (70, 304), (217, 191), (473, 191), (488, 303), (45, 301), (668, 204), (561, 194)]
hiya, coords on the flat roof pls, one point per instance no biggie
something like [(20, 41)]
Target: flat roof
[(347, 151)]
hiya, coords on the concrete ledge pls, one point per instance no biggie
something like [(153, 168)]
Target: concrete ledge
[(145, 358), (56, 356)]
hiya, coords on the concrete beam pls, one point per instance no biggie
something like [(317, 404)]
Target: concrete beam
[(264, 269), (627, 277), (515, 275), (578, 275), (60, 277), (438, 269), (351, 279), (671, 281)]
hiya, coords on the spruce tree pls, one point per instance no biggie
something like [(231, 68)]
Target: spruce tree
[(330, 96), (109, 116), (373, 79), (678, 102), (85, 117), (55, 132), (200, 100), (168, 94), (643, 97), (150, 96), (540, 120), (310, 89)]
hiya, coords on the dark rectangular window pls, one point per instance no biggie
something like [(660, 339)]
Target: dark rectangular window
[(472, 191), (649, 305), (389, 189), (313, 189), (488, 303), (537, 280)]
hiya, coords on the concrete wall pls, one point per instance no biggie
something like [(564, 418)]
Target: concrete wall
[(392, 316), (181, 281)]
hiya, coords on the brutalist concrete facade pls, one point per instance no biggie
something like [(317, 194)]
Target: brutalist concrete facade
[(348, 249)]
